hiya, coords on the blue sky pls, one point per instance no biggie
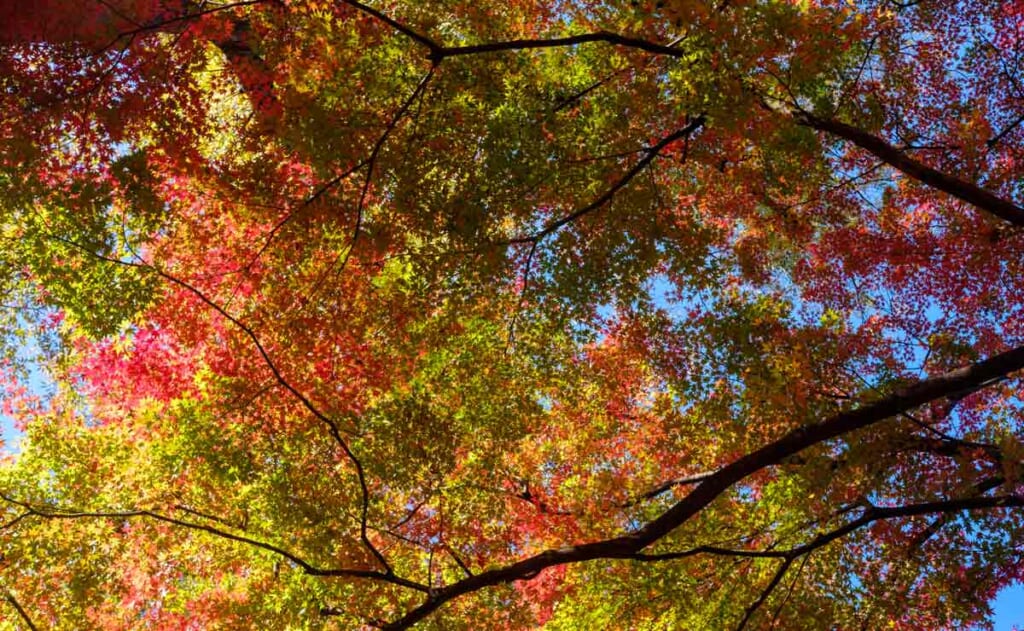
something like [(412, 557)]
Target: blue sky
[(1009, 608)]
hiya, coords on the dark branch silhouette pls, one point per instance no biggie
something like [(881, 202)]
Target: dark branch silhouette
[(307, 567), (894, 157), (9, 597), (630, 545), (333, 426)]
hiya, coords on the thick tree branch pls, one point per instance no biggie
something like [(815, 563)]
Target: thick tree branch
[(958, 188), (558, 42), (629, 545), (439, 52), (9, 597)]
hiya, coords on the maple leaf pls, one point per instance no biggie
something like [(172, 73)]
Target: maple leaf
[(679, 314)]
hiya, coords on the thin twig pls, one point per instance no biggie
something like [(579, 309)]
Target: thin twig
[(765, 593), (307, 567)]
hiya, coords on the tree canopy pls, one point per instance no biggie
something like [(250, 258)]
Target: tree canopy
[(511, 314)]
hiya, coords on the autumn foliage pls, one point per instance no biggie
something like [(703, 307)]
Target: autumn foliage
[(511, 314)]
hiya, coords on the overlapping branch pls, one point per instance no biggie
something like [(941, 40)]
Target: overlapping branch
[(944, 508), (765, 593), (708, 487), (630, 545), (332, 425)]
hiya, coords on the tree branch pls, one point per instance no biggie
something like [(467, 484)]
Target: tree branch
[(627, 546), (765, 593), (667, 486), (308, 568), (332, 425), (9, 597), (994, 140), (534, 239), (371, 161), (434, 48), (871, 514), (958, 188), (438, 52), (558, 42), (651, 153), (980, 489)]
